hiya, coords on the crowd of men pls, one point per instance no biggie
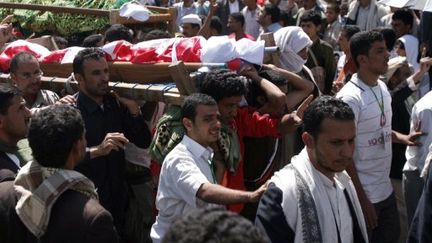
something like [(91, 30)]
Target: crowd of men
[(330, 144)]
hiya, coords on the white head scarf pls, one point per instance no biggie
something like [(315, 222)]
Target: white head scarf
[(291, 40), (411, 44)]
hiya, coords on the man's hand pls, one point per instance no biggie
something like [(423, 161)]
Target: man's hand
[(5, 33), (7, 20), (336, 86), (369, 213), (425, 64), (132, 106), (411, 139), (256, 195), (67, 100), (112, 141), (302, 107)]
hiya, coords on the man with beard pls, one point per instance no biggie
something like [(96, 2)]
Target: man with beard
[(110, 122), (315, 190), (14, 119)]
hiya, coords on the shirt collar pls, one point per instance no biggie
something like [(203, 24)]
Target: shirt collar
[(197, 149), (40, 101), (90, 105)]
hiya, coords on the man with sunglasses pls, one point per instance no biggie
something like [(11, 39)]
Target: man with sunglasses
[(26, 74)]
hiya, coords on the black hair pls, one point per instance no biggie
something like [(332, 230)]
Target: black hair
[(118, 32), (273, 11), (403, 15), (156, 34), (52, 133), (7, 93), (222, 83), (361, 43), (285, 18), (400, 44), (188, 109), (335, 7), (213, 225), (238, 17), (254, 90), (216, 24), (92, 40), (86, 54), (273, 77), (350, 30), (311, 16), (389, 36), (60, 41), (325, 107), (18, 59)]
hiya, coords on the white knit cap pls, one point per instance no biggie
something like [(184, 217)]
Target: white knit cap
[(191, 19)]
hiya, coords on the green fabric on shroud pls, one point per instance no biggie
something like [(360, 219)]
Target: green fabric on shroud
[(170, 131)]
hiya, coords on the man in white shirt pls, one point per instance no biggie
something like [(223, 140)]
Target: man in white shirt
[(187, 179), (313, 199), (371, 102), (184, 8), (366, 14), (250, 12), (14, 121), (421, 117)]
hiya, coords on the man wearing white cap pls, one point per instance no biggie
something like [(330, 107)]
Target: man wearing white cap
[(191, 24)]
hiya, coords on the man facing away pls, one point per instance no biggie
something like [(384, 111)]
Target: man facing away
[(14, 120), (313, 199), (49, 201), (187, 179)]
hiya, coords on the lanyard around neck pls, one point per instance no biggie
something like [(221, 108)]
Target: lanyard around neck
[(381, 106)]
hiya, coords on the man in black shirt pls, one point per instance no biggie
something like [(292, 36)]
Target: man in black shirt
[(110, 122), (14, 120)]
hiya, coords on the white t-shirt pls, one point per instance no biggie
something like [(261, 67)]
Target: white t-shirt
[(183, 172), (251, 26), (373, 149), (416, 155), (234, 6)]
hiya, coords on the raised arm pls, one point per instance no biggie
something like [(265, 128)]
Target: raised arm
[(301, 87)]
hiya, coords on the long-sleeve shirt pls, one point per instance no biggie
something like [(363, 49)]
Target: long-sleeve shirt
[(107, 172)]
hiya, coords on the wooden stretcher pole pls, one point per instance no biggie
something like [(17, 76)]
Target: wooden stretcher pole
[(135, 91), (181, 77), (56, 9), (273, 57)]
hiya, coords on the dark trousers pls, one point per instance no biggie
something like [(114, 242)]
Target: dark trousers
[(388, 228)]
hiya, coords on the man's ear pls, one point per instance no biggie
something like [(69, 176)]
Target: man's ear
[(308, 140), (187, 123), (78, 77), (13, 78), (361, 59)]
